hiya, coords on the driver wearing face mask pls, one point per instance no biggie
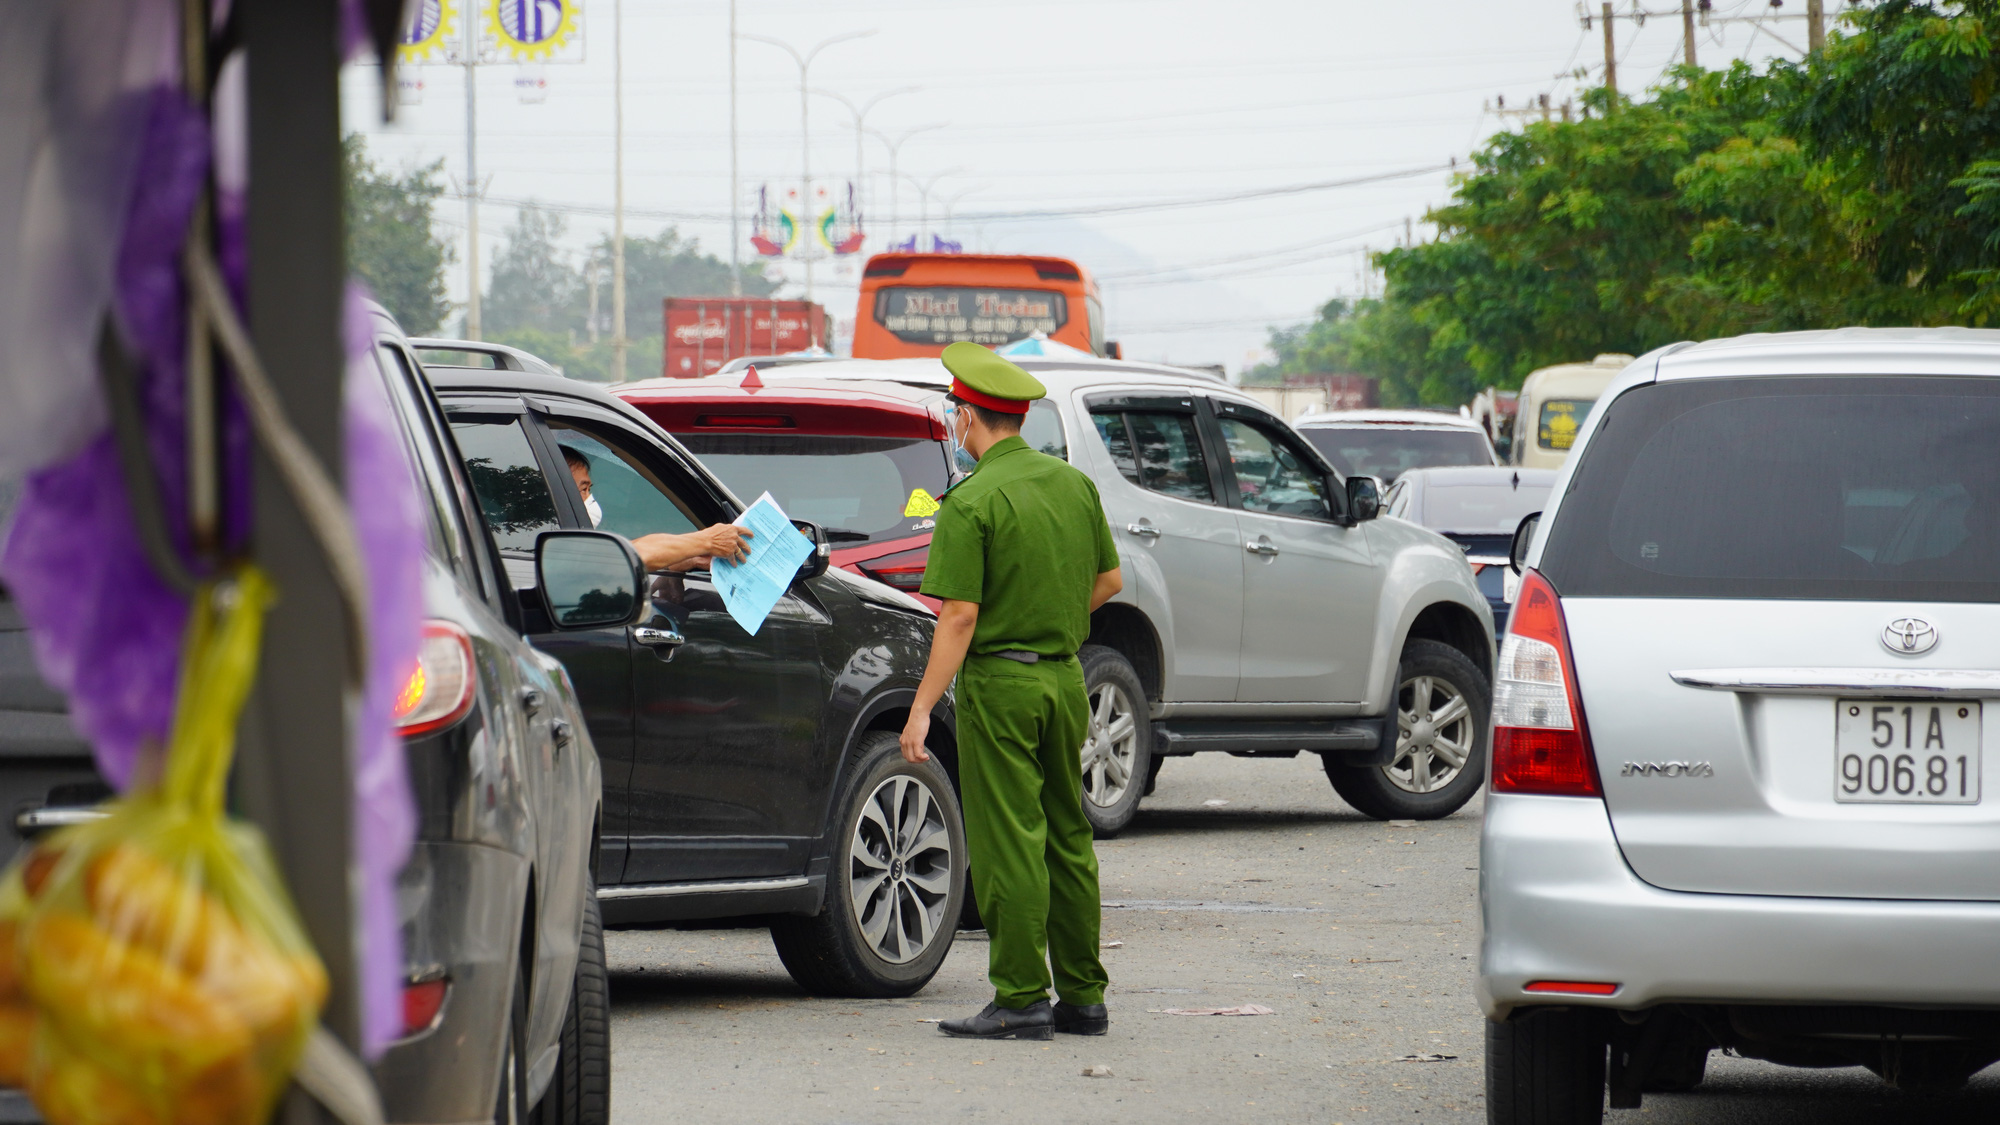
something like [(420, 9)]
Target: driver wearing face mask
[(693, 550)]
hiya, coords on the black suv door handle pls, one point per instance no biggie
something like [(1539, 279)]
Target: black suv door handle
[(655, 637)]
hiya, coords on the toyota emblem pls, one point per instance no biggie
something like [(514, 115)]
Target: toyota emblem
[(1910, 636)]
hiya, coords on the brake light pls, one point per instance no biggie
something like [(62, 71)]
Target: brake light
[(439, 689), (904, 570), (747, 421), (1540, 741), (422, 1001), (1574, 987)]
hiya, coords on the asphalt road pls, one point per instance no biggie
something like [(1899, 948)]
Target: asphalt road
[(1242, 882)]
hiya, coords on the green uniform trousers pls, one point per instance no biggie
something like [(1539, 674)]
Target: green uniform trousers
[(1034, 870)]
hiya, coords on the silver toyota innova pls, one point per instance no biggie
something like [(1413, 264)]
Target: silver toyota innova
[(1737, 792)]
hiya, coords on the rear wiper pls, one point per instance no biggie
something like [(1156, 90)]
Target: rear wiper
[(843, 535)]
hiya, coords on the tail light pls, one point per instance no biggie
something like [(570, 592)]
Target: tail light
[(439, 690), (904, 570), (423, 1000), (1540, 742), (1574, 987)]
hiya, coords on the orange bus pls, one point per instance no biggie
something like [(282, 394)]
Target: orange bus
[(915, 304)]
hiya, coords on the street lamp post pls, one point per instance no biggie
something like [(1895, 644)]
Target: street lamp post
[(952, 201), (924, 197), (895, 145), (860, 127), (805, 136)]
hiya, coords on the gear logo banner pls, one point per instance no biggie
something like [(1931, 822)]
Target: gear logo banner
[(535, 30)]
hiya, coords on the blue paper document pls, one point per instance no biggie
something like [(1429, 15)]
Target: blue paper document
[(749, 589)]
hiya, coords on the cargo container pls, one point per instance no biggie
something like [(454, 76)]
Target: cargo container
[(703, 333)]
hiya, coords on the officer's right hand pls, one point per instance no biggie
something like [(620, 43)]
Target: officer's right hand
[(914, 733)]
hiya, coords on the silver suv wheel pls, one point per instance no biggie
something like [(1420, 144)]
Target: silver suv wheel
[(901, 863), (1111, 750), (1434, 735)]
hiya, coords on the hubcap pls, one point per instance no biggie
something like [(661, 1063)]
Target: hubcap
[(899, 869), (1434, 735), (1111, 749)]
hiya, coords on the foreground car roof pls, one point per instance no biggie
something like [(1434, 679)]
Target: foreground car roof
[(1388, 418), (929, 371), (1840, 351), (802, 404)]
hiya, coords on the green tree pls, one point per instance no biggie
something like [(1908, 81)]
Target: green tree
[(534, 286), (392, 242)]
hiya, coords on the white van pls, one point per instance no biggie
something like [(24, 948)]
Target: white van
[(1554, 402)]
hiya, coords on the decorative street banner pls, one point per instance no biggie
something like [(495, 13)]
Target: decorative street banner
[(433, 34), (535, 30), (775, 231)]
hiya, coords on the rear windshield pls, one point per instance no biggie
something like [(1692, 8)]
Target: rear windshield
[(860, 489), (1851, 489), (1387, 452), (1481, 508)]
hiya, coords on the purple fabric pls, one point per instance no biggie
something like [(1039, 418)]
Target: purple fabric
[(388, 525), (106, 630)]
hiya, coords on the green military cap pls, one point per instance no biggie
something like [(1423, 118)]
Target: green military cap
[(984, 379)]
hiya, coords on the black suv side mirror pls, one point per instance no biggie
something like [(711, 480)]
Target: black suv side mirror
[(822, 553), (589, 579), (1524, 534), (1364, 498)]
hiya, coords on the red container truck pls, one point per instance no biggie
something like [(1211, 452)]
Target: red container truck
[(703, 333)]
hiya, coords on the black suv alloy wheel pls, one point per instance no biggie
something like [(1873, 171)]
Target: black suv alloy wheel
[(897, 886)]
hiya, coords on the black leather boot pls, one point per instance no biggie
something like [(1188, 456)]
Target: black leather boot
[(1081, 1019), (995, 1022)]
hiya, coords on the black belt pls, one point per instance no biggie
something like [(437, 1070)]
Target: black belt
[(1022, 656)]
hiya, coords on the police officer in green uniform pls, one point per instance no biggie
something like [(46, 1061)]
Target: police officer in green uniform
[(1021, 557)]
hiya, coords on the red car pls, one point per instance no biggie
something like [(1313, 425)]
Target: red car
[(865, 459)]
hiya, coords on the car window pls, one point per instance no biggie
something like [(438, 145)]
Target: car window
[(447, 541), (857, 488), (1271, 476), (1042, 429), (1397, 503), (1168, 449), (1117, 440), (1390, 451), (514, 497), (630, 499), (1852, 488), (1560, 419)]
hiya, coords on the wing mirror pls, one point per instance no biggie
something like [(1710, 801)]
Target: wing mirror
[(1364, 498), (822, 553), (1524, 535), (589, 579)]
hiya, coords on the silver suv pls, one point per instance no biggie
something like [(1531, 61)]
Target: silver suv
[(1266, 610), (1737, 793)]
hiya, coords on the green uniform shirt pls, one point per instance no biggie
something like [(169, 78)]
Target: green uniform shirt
[(1024, 536)]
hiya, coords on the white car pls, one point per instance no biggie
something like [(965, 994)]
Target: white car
[(1266, 611), (1739, 748), (1389, 443)]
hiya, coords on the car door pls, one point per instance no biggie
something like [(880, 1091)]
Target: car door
[(1167, 513), (1310, 585), (725, 725), (512, 469)]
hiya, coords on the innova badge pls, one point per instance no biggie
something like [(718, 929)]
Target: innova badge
[(1909, 636)]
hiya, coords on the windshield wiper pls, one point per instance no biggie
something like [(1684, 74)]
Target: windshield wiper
[(843, 535)]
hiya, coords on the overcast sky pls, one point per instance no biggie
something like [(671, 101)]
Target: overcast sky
[(1063, 108)]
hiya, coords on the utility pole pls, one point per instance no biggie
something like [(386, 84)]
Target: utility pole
[(735, 183), (1610, 58), (1687, 29), (472, 192), (895, 146), (618, 342), (860, 113), (1815, 24)]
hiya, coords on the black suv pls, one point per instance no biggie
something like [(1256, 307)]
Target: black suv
[(746, 777)]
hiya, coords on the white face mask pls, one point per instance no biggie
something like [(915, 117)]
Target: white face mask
[(596, 513)]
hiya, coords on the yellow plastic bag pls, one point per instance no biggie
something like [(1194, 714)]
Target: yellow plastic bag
[(152, 968)]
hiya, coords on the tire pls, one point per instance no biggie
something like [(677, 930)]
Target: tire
[(1432, 678), (1117, 754), (510, 1101), (580, 1091), (900, 843), (1546, 1068)]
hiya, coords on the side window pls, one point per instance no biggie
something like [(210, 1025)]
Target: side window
[(624, 496), (1168, 449), (1117, 442), (442, 526), (513, 494), (1271, 476), (1042, 429)]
